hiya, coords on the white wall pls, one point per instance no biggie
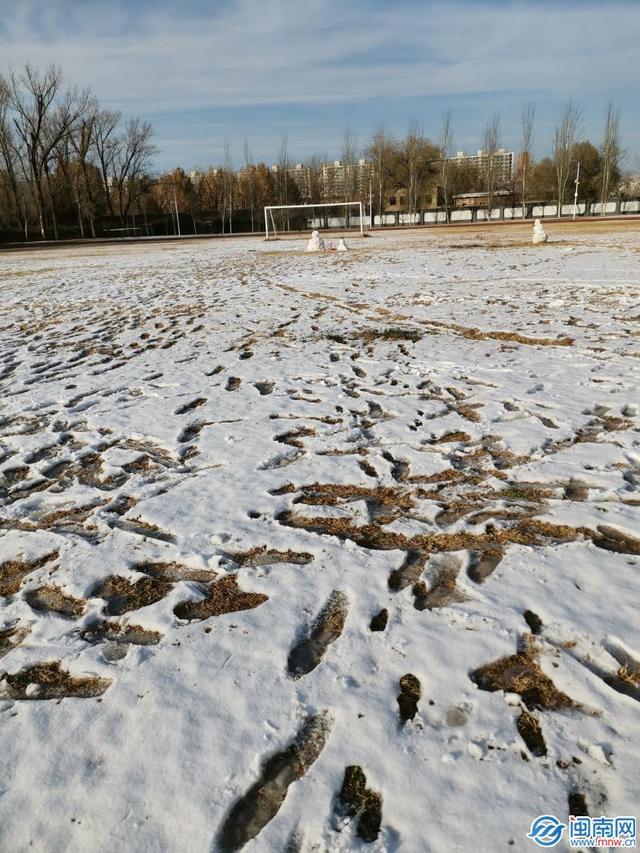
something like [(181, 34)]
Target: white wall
[(409, 218), (466, 214), (567, 209), (513, 213)]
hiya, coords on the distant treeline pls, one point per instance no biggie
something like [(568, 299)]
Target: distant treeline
[(69, 168)]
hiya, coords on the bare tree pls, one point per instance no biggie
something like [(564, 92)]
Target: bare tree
[(414, 144), (228, 185), (65, 162), (446, 153), (527, 119), (62, 157), (378, 152), (315, 189), (211, 192), (81, 141), (31, 99), (284, 184), (611, 153), (42, 118), (412, 167), (349, 158), (491, 142), (249, 180), (564, 139), (133, 154), (106, 143), (11, 160)]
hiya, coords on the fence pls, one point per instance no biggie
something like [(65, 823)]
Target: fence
[(480, 214)]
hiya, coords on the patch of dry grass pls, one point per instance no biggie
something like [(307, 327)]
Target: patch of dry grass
[(468, 411), (409, 696), (53, 599), (115, 632), (356, 800), (527, 492), (292, 438), (528, 531), (530, 731), (449, 437), (174, 572), (49, 681), (12, 572), (474, 334), (11, 637), (263, 556), (224, 596), (16, 474), (331, 494), (390, 333), (122, 595), (521, 674), (629, 675), (612, 539)]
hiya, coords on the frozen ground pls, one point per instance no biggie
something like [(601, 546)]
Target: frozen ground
[(221, 460)]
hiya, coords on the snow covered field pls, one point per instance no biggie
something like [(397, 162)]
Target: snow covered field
[(221, 460)]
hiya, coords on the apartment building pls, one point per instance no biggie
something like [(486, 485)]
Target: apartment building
[(337, 180), (340, 180), (503, 162)]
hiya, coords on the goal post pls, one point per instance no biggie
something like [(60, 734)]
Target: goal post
[(268, 212)]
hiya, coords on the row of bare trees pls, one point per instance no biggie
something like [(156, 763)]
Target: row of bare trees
[(70, 167), (419, 166), (61, 154)]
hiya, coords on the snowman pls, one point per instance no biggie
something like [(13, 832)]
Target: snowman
[(315, 244), (539, 234)]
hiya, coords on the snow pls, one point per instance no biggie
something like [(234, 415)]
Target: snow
[(315, 243), (539, 234), (375, 358)]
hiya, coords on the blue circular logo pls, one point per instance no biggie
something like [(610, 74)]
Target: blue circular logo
[(546, 830)]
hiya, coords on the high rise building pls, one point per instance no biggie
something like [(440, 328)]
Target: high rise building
[(503, 162)]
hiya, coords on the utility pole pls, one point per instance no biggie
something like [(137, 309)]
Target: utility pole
[(575, 195), (175, 202), (370, 205)]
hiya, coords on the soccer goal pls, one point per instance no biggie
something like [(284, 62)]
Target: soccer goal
[(313, 221)]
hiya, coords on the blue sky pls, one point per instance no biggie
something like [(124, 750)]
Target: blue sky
[(204, 72)]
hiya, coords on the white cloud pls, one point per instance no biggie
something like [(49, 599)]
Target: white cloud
[(285, 52)]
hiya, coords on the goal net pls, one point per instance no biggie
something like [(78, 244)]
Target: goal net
[(339, 215)]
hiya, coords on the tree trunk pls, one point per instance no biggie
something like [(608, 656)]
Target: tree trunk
[(40, 207), (54, 218), (79, 209)]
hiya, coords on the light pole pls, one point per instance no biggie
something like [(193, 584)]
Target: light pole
[(175, 203), (575, 195)]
